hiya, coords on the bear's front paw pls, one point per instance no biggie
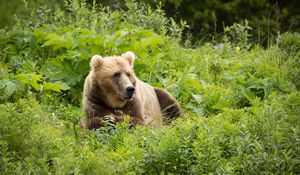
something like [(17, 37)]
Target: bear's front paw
[(109, 120), (137, 121)]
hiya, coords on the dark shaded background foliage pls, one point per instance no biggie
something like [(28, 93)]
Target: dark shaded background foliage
[(266, 17), (206, 19)]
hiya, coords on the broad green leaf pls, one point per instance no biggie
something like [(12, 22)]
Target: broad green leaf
[(198, 98), (248, 94), (31, 79), (10, 86), (34, 81), (56, 86), (58, 41), (222, 104), (197, 110)]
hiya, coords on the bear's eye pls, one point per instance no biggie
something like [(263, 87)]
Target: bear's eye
[(117, 74), (128, 74)]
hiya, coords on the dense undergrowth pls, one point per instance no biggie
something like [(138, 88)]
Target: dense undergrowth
[(240, 102)]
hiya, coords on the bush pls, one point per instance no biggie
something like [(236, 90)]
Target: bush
[(52, 53)]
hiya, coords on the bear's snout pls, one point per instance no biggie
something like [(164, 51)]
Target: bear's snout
[(129, 92)]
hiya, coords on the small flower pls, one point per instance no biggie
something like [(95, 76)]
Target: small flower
[(220, 46)]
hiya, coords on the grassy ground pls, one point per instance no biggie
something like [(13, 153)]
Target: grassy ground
[(241, 104)]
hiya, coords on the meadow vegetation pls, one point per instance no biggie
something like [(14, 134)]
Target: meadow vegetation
[(240, 101)]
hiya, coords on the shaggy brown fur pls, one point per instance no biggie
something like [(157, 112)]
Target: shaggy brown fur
[(106, 95)]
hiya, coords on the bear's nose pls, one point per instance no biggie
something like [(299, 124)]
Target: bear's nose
[(130, 90)]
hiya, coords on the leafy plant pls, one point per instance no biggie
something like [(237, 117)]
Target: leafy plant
[(238, 34)]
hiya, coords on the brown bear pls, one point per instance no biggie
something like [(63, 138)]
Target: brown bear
[(111, 90)]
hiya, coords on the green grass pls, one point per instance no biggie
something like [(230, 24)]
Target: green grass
[(241, 106), (263, 138)]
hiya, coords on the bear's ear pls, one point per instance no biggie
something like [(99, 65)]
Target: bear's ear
[(129, 56), (96, 61)]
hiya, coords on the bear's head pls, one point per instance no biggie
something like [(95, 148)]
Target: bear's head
[(115, 78)]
